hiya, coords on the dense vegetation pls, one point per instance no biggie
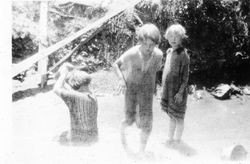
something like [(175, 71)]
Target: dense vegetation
[(219, 38), (218, 30)]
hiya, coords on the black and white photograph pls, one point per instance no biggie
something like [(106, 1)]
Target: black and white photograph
[(126, 81)]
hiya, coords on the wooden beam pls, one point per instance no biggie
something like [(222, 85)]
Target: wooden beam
[(76, 48), (27, 63)]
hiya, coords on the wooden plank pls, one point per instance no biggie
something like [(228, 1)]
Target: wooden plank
[(27, 63), (76, 48)]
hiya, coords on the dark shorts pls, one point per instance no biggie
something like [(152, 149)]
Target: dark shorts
[(140, 95)]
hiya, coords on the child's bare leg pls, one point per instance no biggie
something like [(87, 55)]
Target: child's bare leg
[(179, 129), (145, 132), (123, 136), (171, 130)]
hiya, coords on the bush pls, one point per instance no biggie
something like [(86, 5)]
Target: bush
[(219, 39), (219, 44)]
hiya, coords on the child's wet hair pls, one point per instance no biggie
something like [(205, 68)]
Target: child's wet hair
[(149, 31), (176, 29), (77, 78)]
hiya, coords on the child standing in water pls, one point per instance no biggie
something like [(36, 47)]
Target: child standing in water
[(175, 81), (136, 70), (72, 86)]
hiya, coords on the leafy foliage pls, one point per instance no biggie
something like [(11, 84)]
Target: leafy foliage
[(113, 40), (218, 34), (63, 20), (218, 30), (25, 29)]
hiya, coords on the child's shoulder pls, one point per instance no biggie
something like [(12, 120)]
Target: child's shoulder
[(158, 52), (168, 50), (132, 51)]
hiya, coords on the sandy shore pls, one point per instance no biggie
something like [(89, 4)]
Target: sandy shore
[(210, 126)]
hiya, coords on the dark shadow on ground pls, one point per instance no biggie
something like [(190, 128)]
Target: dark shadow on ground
[(183, 148), (141, 157), (64, 140), (30, 92)]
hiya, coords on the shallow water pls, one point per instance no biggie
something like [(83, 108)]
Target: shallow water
[(210, 126)]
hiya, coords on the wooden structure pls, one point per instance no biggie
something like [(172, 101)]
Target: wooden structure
[(43, 37), (27, 63)]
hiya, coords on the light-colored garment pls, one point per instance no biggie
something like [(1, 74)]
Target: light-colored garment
[(133, 68), (140, 80)]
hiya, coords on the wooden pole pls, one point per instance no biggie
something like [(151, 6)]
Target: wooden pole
[(27, 63), (43, 43), (83, 41)]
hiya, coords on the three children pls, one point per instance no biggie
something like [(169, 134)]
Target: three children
[(136, 70)]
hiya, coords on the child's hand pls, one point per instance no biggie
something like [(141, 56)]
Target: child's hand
[(178, 98), (121, 87), (69, 66), (65, 68)]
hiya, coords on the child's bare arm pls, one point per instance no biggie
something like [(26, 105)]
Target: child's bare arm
[(119, 74), (62, 88), (59, 84), (164, 74), (117, 69), (63, 71)]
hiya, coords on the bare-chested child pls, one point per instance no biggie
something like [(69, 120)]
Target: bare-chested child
[(73, 87), (136, 70)]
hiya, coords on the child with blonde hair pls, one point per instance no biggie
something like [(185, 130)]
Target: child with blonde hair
[(175, 82), (136, 70)]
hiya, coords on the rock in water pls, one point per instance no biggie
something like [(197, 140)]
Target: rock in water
[(234, 153)]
